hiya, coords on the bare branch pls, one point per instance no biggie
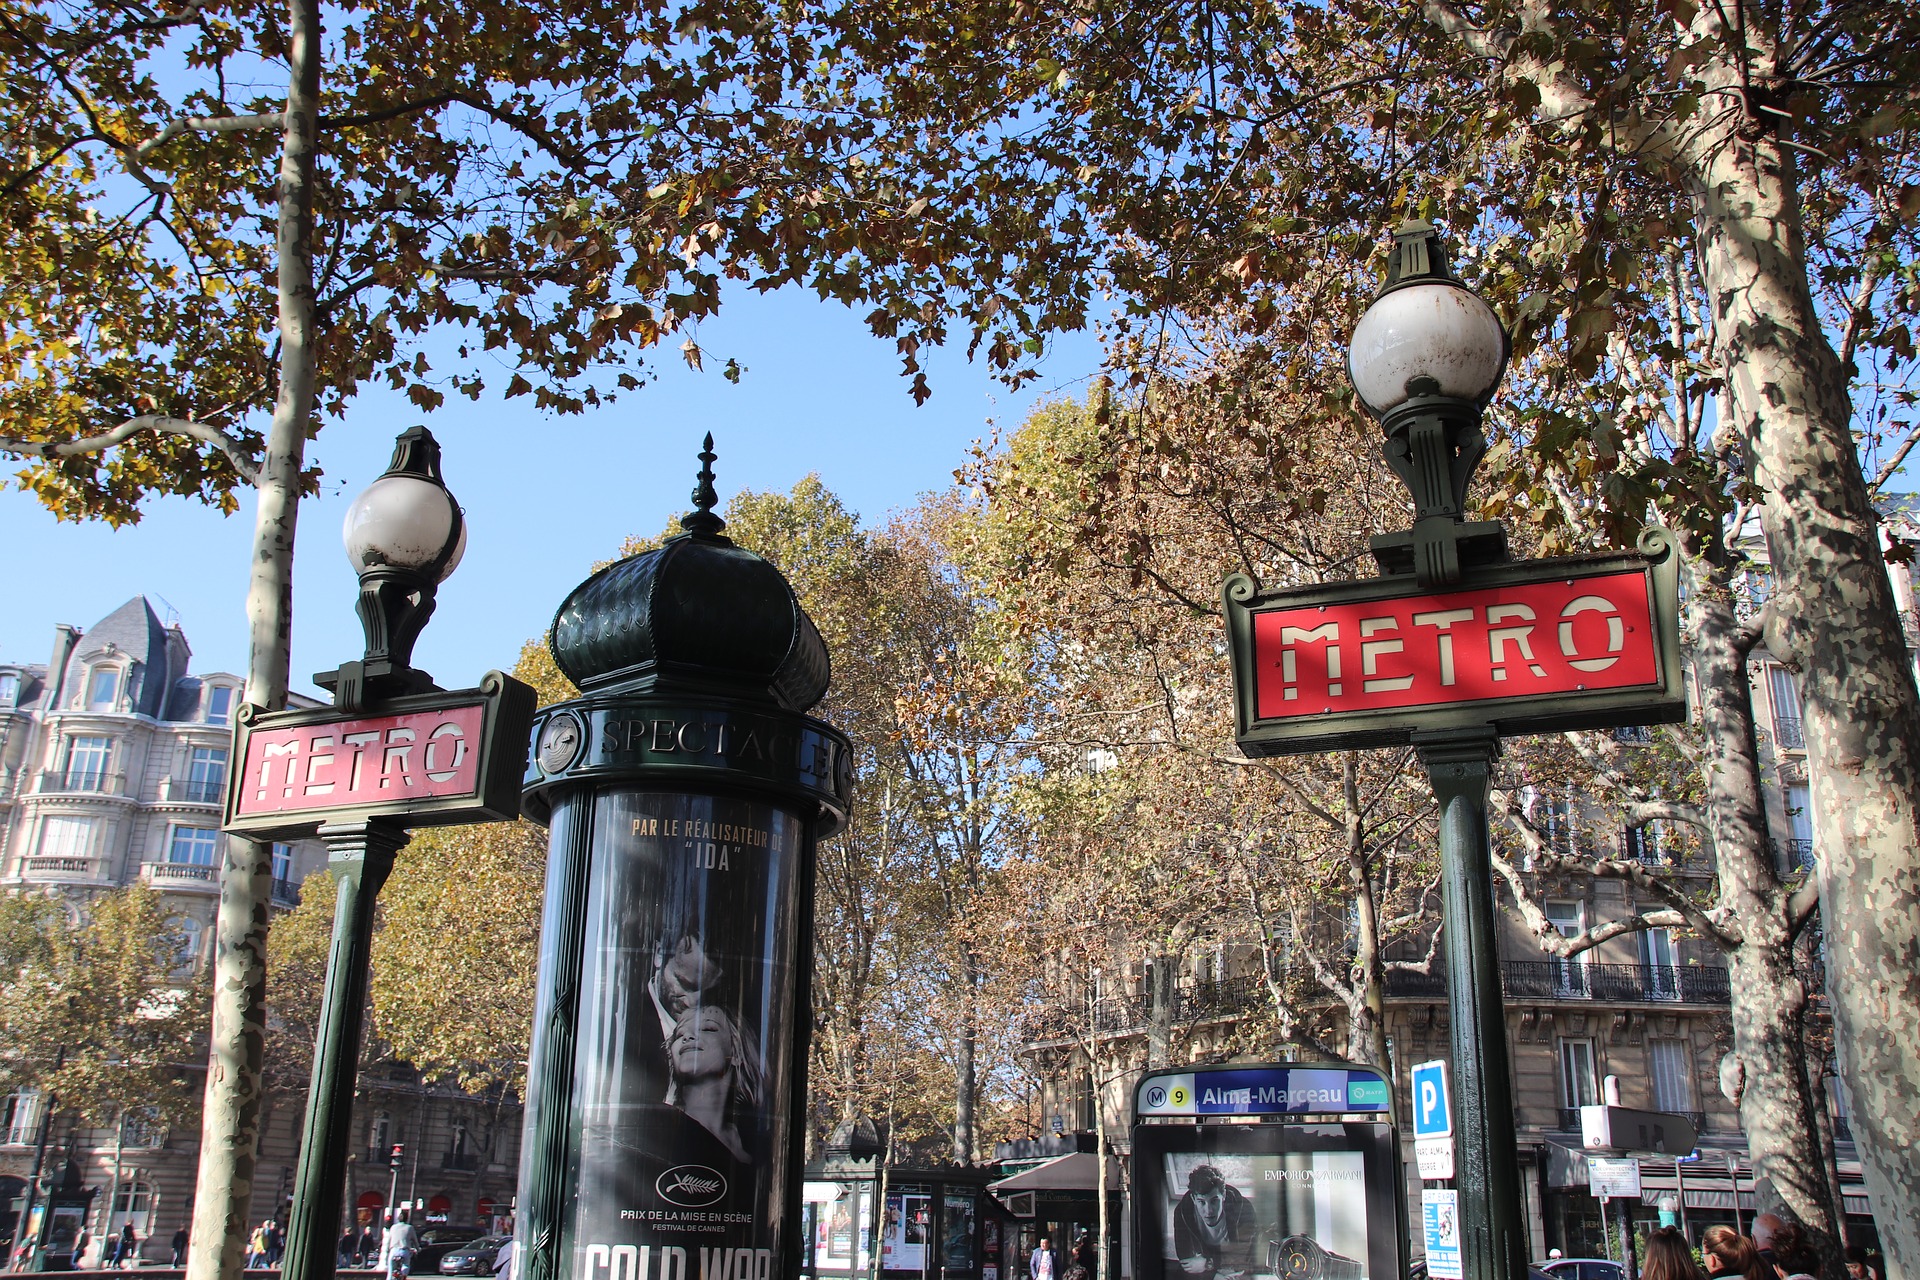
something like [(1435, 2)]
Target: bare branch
[(1892, 465), (1552, 941), (205, 124), (241, 461)]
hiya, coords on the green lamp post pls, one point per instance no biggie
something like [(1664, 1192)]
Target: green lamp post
[(1425, 359), (684, 790)]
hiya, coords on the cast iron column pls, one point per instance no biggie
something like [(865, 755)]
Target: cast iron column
[(360, 855), (1486, 1154)]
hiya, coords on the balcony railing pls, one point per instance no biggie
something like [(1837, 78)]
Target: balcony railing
[(63, 865), (1800, 852), (1788, 734), (83, 782), (181, 875), (1519, 979), (194, 790), (285, 893)]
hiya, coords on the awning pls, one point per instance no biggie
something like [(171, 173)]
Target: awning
[(1076, 1172)]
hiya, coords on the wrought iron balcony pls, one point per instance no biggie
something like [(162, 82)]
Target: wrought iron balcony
[(83, 782), (191, 876), (285, 893), (1615, 983), (1800, 852), (194, 790), (1788, 734)]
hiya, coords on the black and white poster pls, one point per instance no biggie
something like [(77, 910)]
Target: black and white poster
[(1267, 1202), (686, 1019)]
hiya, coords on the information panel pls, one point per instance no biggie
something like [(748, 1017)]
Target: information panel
[(1281, 1201), (1262, 1091)]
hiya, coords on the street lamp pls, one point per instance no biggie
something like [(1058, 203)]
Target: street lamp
[(404, 535), (1425, 359)]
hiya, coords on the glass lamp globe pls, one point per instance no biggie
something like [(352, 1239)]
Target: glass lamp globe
[(402, 522), (1438, 331)]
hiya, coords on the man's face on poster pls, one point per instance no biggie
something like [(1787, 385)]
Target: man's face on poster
[(684, 973), (1210, 1206)]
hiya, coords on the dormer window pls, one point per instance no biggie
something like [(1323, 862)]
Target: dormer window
[(103, 688), (219, 703), (9, 688)]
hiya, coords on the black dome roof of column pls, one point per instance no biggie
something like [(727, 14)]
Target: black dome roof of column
[(696, 614)]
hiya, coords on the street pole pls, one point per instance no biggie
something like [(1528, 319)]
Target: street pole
[(1492, 1239), (360, 855)]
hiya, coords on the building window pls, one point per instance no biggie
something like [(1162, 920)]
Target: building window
[(1800, 823), (103, 688), (1641, 844), (206, 774), (1672, 1082), (1787, 733), (1663, 974), (282, 863), (379, 1134), (1579, 1081), (191, 931), (9, 688), (1570, 972), (194, 845), (1554, 818), (219, 703), (63, 837), (87, 763), (20, 1118)]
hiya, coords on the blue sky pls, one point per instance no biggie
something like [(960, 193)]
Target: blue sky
[(545, 496)]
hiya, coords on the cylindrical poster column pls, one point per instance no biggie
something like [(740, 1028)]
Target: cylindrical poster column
[(684, 791)]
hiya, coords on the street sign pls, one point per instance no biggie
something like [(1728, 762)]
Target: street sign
[(1440, 1216), (1611, 1178), (1523, 647), (430, 759), (1262, 1091), (1432, 1110), (1624, 1131), (1433, 1157)]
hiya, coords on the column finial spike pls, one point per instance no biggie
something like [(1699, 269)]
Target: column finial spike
[(702, 519)]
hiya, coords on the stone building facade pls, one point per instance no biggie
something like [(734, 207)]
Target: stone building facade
[(113, 767)]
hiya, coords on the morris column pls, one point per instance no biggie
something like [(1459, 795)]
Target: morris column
[(684, 791)]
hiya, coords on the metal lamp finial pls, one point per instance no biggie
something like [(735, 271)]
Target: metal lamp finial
[(702, 520)]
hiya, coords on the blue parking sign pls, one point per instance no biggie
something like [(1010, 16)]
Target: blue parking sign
[(1432, 1109)]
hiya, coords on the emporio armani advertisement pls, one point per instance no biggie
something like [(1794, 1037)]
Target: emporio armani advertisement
[(1315, 1204), (686, 1018)]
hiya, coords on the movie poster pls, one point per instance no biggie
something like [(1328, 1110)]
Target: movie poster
[(686, 1018), (1267, 1202)]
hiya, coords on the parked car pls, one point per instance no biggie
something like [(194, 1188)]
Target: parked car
[(436, 1243), (475, 1258), (1582, 1269)]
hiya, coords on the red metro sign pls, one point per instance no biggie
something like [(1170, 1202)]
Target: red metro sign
[(1580, 642)]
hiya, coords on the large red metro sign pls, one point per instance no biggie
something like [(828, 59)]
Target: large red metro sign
[(423, 760), (1580, 642)]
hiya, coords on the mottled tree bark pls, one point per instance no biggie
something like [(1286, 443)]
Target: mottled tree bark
[(1787, 405), (230, 1119)]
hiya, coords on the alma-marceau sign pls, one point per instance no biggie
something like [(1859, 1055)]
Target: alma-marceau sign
[(1525, 647)]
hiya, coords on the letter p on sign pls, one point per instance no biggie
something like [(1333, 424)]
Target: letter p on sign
[(1432, 1110)]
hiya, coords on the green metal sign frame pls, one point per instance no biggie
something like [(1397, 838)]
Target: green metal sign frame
[(1664, 701)]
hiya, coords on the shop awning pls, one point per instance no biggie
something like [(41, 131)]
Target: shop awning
[(1076, 1172)]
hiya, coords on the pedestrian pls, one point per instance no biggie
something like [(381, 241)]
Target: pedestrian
[(1793, 1254), (1766, 1227), (276, 1242), (369, 1245), (180, 1246), (396, 1250), (343, 1253), (1040, 1266), (503, 1260), (1080, 1267), (126, 1247), (1728, 1253), (257, 1247), (1668, 1257)]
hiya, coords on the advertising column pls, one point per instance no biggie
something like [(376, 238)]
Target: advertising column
[(684, 792)]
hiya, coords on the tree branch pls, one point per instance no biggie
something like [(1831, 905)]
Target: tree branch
[(242, 463)]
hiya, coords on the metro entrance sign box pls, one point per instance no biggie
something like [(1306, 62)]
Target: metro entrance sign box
[(1578, 642)]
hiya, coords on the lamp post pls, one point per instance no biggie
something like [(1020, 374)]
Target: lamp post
[(394, 752), (1425, 359)]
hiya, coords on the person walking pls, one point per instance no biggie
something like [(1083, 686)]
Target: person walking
[(180, 1246), (1728, 1253), (503, 1260), (257, 1248), (126, 1246), (369, 1246), (396, 1250), (1040, 1266)]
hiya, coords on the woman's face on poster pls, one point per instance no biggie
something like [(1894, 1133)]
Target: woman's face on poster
[(702, 1045)]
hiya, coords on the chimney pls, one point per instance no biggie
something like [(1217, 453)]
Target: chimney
[(65, 637)]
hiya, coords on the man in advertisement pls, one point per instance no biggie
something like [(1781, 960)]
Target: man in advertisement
[(1213, 1228)]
